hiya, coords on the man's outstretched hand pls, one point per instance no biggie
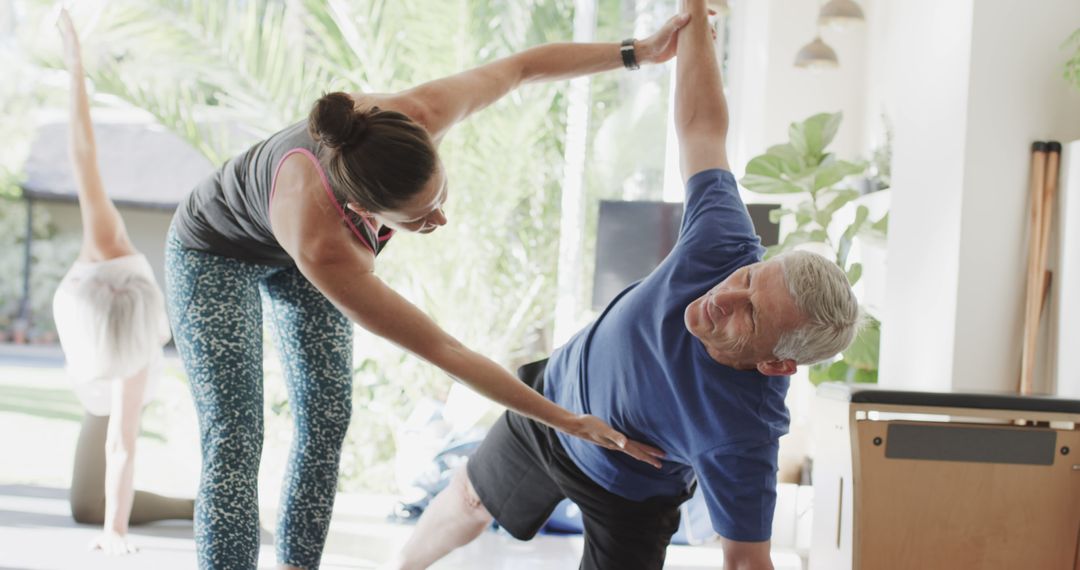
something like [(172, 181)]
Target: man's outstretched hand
[(72, 50)]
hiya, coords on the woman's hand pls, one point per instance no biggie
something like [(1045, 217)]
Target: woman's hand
[(593, 429), (661, 46), (113, 544)]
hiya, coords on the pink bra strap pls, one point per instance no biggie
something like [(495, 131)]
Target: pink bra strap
[(326, 187)]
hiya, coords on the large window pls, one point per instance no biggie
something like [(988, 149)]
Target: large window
[(629, 150)]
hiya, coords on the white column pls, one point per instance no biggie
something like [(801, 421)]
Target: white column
[(966, 107), (7, 21), (572, 220), (1066, 282)]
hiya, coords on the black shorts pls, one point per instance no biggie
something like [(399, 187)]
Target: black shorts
[(521, 472)]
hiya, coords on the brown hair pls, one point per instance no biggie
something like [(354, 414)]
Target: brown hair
[(378, 159)]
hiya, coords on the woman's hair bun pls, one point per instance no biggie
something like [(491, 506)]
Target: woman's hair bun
[(335, 122)]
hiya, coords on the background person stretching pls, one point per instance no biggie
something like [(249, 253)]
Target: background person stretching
[(693, 359), (110, 317), (297, 222)]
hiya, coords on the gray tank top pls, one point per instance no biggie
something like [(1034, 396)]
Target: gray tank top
[(228, 213)]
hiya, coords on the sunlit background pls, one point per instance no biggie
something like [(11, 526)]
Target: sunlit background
[(185, 84)]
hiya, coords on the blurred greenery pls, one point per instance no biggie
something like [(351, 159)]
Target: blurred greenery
[(1072, 65), (51, 256), (222, 74), (803, 167)]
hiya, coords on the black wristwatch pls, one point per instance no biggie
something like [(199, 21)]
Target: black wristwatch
[(629, 58)]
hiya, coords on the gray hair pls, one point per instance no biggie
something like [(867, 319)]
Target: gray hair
[(824, 297), (120, 316)]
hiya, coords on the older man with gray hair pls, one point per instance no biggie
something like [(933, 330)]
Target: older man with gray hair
[(693, 359)]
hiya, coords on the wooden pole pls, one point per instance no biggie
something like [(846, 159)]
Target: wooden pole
[(1053, 166), (1035, 279)]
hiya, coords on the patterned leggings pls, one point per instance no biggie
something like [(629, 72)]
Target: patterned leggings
[(216, 309)]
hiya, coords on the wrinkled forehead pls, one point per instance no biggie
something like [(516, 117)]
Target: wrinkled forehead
[(757, 266)]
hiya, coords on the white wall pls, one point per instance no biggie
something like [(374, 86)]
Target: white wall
[(768, 92), (922, 66), (1016, 96), (794, 94), (971, 85), (1066, 305)]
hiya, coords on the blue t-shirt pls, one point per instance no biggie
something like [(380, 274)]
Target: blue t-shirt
[(639, 369)]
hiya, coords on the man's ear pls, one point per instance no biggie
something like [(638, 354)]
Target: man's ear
[(777, 367)]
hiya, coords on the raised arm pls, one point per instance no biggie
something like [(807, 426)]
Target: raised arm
[(104, 235), (701, 113), (447, 101)]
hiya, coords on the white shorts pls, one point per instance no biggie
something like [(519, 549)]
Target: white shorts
[(110, 317)]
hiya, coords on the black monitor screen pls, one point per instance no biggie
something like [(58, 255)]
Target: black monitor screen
[(634, 237)]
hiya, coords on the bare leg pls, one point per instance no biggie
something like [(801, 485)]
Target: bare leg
[(453, 519), (88, 484)]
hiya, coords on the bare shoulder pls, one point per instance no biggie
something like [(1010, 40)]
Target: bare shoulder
[(297, 179), (305, 217), (411, 103), (298, 201)]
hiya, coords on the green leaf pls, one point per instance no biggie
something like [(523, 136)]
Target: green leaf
[(854, 273), (838, 371), (768, 185), (1072, 65), (791, 161), (849, 235), (792, 240), (838, 200), (863, 352), (777, 214), (811, 136), (820, 131), (836, 171), (882, 225), (865, 376), (766, 165), (804, 214), (819, 373)]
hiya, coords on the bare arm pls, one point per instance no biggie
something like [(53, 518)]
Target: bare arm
[(309, 229), (104, 234), (701, 113), (447, 101), (746, 555), (123, 430)]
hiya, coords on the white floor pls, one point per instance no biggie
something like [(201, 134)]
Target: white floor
[(39, 423), (37, 533)]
